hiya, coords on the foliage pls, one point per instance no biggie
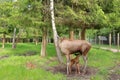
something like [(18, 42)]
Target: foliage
[(104, 31), (27, 14), (5, 13)]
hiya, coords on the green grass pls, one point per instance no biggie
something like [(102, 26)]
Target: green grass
[(23, 48), (105, 45), (14, 67), (118, 72), (100, 58)]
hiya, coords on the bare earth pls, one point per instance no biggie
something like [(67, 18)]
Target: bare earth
[(73, 76), (114, 73), (90, 71), (110, 49)]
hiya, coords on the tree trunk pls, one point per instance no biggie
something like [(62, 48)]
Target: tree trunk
[(28, 40), (95, 39), (48, 37), (79, 35), (18, 37), (36, 37), (3, 41), (36, 41), (110, 40), (13, 42), (44, 42), (83, 33), (55, 32), (71, 35), (99, 40), (114, 38)]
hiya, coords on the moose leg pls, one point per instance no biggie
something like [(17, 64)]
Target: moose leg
[(78, 68), (85, 58), (85, 61), (71, 64), (68, 64)]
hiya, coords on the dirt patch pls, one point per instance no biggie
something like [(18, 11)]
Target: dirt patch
[(114, 76), (4, 57), (61, 68), (115, 73), (110, 49), (73, 76), (30, 65), (29, 53)]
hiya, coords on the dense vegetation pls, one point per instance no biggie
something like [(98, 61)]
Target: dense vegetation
[(24, 23), (33, 17), (30, 20)]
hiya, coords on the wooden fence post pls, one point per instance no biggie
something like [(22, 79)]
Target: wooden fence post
[(99, 40), (118, 39), (95, 39), (110, 40)]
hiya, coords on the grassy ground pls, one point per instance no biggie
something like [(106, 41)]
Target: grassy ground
[(105, 45), (23, 48), (103, 61), (17, 67)]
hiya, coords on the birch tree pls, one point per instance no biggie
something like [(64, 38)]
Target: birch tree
[(55, 31), (14, 37)]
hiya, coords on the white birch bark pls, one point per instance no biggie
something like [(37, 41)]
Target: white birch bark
[(55, 32)]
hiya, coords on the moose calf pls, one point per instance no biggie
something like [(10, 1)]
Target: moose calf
[(75, 61)]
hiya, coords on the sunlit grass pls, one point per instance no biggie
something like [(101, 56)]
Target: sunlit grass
[(14, 66), (106, 45), (97, 77), (100, 58), (23, 48)]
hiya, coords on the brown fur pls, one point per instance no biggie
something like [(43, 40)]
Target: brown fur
[(69, 47), (75, 61)]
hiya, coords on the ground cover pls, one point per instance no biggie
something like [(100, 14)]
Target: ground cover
[(22, 64)]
